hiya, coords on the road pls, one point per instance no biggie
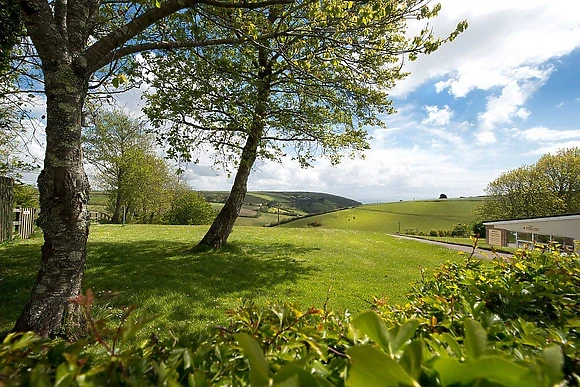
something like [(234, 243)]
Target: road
[(479, 253)]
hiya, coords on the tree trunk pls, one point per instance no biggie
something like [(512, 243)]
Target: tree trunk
[(6, 208), (64, 194), (118, 207), (223, 224)]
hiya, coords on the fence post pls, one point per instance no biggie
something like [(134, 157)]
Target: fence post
[(6, 203)]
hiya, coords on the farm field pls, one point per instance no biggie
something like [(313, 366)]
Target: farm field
[(385, 217), (150, 266)]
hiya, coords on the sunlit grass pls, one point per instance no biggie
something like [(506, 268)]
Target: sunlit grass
[(398, 216), (152, 267)]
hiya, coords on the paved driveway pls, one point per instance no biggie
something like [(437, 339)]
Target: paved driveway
[(479, 253)]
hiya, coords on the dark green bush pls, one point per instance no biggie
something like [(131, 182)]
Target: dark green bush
[(433, 233)]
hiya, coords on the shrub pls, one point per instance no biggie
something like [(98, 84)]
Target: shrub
[(461, 230), (412, 231), (433, 233), (478, 228), (190, 207)]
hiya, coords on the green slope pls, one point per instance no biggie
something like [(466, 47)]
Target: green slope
[(298, 203), (385, 217)]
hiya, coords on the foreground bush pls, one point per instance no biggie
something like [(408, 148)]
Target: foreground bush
[(512, 323)]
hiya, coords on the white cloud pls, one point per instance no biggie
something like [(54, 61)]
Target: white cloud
[(542, 134), (505, 37), (438, 116), (486, 138), (523, 114), (554, 148)]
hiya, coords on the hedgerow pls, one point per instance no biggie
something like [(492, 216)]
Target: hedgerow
[(506, 322)]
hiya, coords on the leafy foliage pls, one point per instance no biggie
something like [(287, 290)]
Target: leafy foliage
[(25, 196), (127, 167), (548, 187), (189, 207), (504, 323)]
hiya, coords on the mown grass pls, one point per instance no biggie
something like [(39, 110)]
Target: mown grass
[(385, 217), (152, 267)]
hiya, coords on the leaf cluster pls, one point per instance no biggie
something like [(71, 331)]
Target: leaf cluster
[(548, 187), (326, 68)]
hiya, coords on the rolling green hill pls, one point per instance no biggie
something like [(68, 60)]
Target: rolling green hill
[(385, 217), (298, 203)]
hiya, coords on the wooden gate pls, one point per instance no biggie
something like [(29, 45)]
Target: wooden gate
[(24, 221), (6, 202)]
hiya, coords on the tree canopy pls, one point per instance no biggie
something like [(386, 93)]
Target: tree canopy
[(548, 187), (308, 92)]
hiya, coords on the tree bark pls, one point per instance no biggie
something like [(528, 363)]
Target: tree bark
[(6, 204), (64, 194), (223, 224)]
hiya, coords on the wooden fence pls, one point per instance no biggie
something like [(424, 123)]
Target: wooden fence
[(6, 202), (24, 219)]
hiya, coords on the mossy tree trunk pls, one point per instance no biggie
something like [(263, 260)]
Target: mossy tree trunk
[(64, 194), (6, 207)]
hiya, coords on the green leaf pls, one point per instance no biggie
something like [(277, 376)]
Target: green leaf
[(412, 358), (371, 367), (450, 340), (374, 327), (259, 370), (490, 368), (553, 363), (294, 376), (404, 334), (475, 339), (64, 376)]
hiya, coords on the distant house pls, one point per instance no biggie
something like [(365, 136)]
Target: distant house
[(534, 230)]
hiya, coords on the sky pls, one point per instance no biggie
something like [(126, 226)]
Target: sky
[(505, 92)]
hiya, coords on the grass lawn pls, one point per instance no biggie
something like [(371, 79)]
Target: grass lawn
[(150, 266), (385, 217)]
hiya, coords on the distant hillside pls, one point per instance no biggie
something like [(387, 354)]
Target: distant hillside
[(291, 203), (385, 217)]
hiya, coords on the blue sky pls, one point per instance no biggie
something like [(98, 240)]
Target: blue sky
[(502, 94)]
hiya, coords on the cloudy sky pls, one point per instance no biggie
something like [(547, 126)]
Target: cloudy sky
[(502, 94)]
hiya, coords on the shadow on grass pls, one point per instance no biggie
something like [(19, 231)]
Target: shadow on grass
[(18, 267), (165, 275), (158, 273)]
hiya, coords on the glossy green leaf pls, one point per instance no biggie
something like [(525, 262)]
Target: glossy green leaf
[(489, 368), (412, 358), (371, 367), (371, 325), (404, 334), (553, 363), (259, 370), (475, 339)]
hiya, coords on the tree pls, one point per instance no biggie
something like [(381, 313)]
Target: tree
[(77, 46), (561, 173), (25, 196), (190, 207), (310, 92), (442, 196), (114, 145), (548, 187)]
